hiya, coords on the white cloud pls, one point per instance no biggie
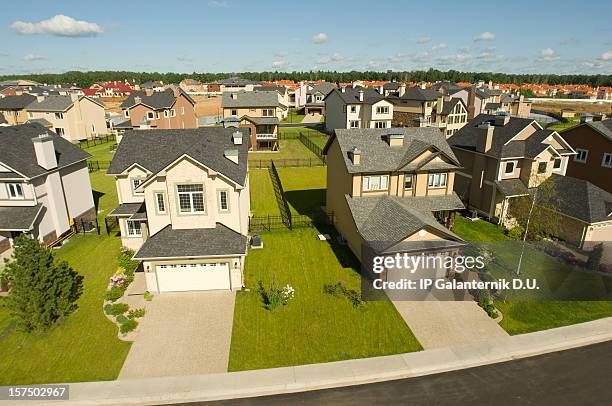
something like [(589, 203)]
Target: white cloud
[(438, 46), (279, 64), (281, 53), (60, 26), (33, 57), (319, 38), (337, 57), (606, 56), (422, 57), (548, 54), (464, 50), (485, 36), (218, 4), (450, 59), (423, 40)]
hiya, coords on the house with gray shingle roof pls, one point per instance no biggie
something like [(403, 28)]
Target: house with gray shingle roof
[(504, 158), (71, 116), (184, 205), (356, 107), (391, 190), (44, 185), (13, 108), (170, 108), (258, 111), (315, 96)]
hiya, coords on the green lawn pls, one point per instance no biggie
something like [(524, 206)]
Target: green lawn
[(537, 310), (263, 200), (293, 117), (314, 327), (571, 122), (304, 188), (288, 149), (101, 152), (85, 346)]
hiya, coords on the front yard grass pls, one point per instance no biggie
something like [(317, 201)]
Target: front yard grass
[(314, 327), (85, 346), (526, 314)]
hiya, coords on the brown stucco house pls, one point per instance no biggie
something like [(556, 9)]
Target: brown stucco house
[(44, 185), (259, 111), (593, 160), (391, 190), (171, 108)]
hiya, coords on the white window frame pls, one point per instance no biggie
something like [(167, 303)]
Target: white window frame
[(166, 113), (437, 180), (157, 115), (372, 183), (406, 177), (133, 231), (220, 200), (162, 209), (607, 156), (380, 124), (234, 112), (382, 110), (59, 115), (579, 153), (126, 113), (353, 109), (191, 195), (267, 112), (150, 115), (172, 113), (351, 122), (560, 160), (15, 191), (60, 131), (135, 185), (513, 163), (545, 168)]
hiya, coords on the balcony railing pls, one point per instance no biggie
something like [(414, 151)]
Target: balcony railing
[(266, 136)]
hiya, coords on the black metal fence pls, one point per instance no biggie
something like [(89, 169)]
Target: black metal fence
[(270, 223), (86, 226), (94, 165), (285, 163), (283, 205), (111, 224), (314, 148), (101, 139)]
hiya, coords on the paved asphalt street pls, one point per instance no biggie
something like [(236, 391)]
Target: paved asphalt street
[(580, 376)]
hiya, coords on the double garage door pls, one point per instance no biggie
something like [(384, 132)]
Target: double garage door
[(184, 277)]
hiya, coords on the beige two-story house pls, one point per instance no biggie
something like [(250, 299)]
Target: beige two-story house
[(391, 190), (71, 116), (13, 108), (184, 205), (165, 109), (259, 111), (44, 185), (356, 107)]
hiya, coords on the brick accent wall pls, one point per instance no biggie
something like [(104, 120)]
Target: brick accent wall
[(404, 119), (5, 245), (89, 215)]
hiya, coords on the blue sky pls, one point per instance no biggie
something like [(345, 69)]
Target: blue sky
[(231, 35)]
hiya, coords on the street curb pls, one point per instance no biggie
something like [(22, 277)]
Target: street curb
[(195, 388)]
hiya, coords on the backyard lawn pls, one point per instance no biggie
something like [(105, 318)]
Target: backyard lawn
[(304, 188), (289, 149), (314, 326), (571, 122), (537, 310), (101, 152), (294, 117), (263, 200), (85, 346)]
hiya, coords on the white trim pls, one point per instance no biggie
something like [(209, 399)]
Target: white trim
[(603, 160)]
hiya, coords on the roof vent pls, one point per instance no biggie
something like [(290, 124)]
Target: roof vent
[(355, 155), (234, 96), (237, 138), (361, 95), (232, 155)]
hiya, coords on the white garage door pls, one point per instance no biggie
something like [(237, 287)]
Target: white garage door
[(183, 277)]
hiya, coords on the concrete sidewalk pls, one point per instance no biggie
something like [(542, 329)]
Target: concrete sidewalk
[(318, 376)]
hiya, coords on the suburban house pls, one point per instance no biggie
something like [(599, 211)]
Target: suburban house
[(593, 145), (184, 205), (44, 185), (415, 108), (393, 89), (315, 97), (258, 111), (13, 108), (392, 189), (515, 105), (282, 91), (109, 89), (450, 115), (356, 107), (232, 84), (505, 157), (193, 86), (72, 117), (167, 109)]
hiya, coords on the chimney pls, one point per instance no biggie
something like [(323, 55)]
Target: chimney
[(137, 100), (45, 151), (361, 95), (40, 98), (502, 118), (74, 97), (355, 155), (233, 96), (485, 137), (402, 89), (343, 89), (521, 98), (237, 138), (149, 92), (395, 138), (232, 155), (471, 105), (381, 90)]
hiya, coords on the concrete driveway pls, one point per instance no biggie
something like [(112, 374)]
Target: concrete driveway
[(183, 334), (444, 323), (311, 118)]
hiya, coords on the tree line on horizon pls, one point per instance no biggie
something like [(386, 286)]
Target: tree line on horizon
[(86, 79)]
